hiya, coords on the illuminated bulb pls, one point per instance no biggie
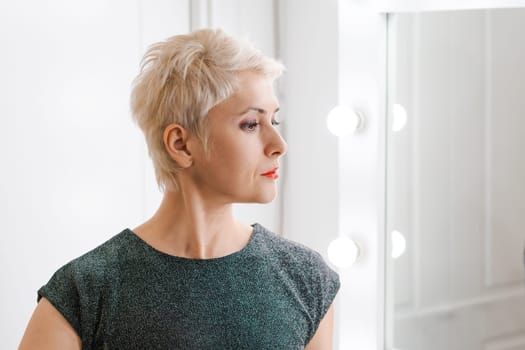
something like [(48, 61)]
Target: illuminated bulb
[(343, 252), (399, 115), (398, 244), (343, 120)]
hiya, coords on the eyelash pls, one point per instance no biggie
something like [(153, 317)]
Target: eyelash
[(250, 126)]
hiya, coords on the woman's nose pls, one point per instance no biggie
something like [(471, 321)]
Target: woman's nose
[(276, 146)]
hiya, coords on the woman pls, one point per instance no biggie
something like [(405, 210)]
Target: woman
[(193, 277)]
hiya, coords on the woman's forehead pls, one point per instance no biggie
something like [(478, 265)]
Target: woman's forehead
[(253, 94)]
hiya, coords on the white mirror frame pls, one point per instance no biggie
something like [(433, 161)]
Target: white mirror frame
[(362, 171)]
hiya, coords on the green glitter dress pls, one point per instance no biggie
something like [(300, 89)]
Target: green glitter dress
[(125, 294)]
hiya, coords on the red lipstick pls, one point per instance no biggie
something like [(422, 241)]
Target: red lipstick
[(272, 174)]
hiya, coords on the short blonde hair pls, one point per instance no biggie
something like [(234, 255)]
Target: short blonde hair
[(181, 79)]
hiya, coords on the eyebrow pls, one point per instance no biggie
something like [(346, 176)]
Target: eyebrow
[(259, 110)]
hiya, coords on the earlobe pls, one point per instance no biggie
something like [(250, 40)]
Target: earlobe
[(175, 141)]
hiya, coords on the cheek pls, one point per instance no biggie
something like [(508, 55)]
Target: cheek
[(235, 154), (233, 151)]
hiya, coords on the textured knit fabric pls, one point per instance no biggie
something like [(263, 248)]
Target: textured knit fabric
[(125, 294)]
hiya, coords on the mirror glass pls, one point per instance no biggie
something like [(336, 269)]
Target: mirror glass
[(456, 180)]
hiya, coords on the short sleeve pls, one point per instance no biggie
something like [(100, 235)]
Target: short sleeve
[(62, 293), (327, 285)]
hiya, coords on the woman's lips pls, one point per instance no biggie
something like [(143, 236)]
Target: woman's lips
[(272, 174)]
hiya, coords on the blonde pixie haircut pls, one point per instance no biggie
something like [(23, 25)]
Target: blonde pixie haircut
[(181, 79)]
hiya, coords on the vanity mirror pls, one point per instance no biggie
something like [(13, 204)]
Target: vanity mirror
[(456, 180)]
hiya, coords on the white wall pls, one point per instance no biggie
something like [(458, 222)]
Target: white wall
[(440, 5)]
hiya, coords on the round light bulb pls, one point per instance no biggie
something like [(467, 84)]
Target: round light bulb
[(398, 244), (343, 252), (399, 116), (343, 120)]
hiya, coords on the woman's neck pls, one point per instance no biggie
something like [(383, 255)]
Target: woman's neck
[(188, 226)]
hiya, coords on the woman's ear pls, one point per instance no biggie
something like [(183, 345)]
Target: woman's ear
[(176, 143)]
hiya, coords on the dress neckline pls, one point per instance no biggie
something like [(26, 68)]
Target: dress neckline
[(256, 229)]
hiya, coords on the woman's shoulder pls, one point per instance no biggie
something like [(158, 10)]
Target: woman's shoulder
[(313, 280), (75, 288), (98, 261), (289, 252)]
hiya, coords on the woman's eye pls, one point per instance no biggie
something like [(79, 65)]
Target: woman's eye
[(276, 123), (250, 126)]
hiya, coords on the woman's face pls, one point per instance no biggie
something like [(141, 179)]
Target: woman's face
[(244, 144)]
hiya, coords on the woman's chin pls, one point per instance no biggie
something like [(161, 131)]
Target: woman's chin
[(261, 198), (267, 198)]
